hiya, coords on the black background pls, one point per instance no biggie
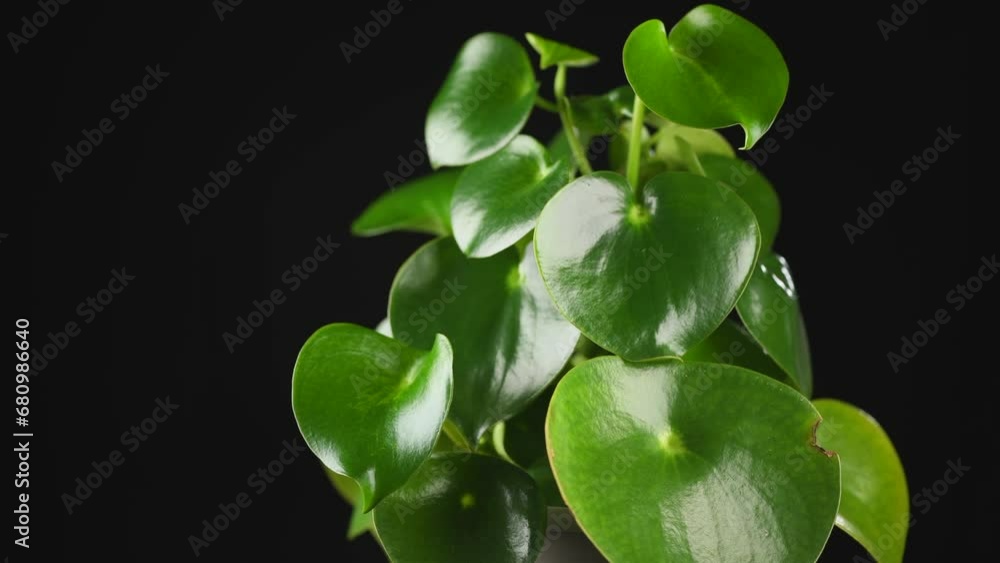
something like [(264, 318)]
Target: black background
[(162, 336)]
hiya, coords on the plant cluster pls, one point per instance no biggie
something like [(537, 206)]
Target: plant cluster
[(622, 342)]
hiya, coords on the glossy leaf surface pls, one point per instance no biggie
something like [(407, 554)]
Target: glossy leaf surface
[(353, 387), (649, 278), (770, 310), (498, 199), (657, 467), (874, 501), (509, 339), (556, 53), (422, 205), (460, 508), (483, 103), (715, 69)]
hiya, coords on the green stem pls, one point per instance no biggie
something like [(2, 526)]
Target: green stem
[(499, 434), (566, 117), (635, 146), (690, 157), (546, 104), (456, 435)]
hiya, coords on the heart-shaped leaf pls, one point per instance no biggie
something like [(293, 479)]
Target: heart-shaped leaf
[(746, 180), (498, 199), (716, 69), (703, 142), (658, 467), (874, 502), (509, 339), (483, 103), (732, 344), (770, 310), (460, 508), (370, 407), (422, 205), (555, 53), (646, 278)]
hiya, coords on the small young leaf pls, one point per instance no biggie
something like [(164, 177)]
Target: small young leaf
[(555, 53), (498, 199), (716, 69), (874, 501), (675, 461), (509, 339), (702, 141), (353, 387), (483, 103), (422, 205), (731, 344), (460, 508), (746, 180), (646, 278), (770, 310), (361, 521)]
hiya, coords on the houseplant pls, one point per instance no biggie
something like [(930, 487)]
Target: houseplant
[(616, 352)]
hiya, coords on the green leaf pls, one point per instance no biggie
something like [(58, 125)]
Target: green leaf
[(874, 501), (421, 205), (555, 53), (658, 466), (361, 521), (509, 339), (703, 142), (461, 508), (370, 407), (716, 69), (732, 344), (498, 199), (770, 310), (646, 278), (483, 103), (746, 180)]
